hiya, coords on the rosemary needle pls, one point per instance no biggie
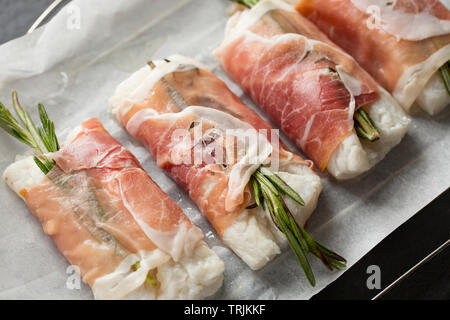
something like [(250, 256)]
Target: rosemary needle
[(43, 139), (256, 191), (445, 75), (281, 186), (246, 3)]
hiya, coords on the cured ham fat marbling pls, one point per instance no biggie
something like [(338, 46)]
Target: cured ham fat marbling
[(107, 216), (180, 95), (401, 43), (309, 87)]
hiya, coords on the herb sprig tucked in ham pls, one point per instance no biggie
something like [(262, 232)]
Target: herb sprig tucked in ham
[(307, 85), (108, 218), (401, 43)]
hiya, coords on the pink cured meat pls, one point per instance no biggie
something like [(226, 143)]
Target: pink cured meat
[(289, 68), (389, 58)]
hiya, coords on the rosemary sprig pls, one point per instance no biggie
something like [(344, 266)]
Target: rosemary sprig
[(281, 186), (43, 139), (365, 127), (47, 131), (246, 3), (268, 189), (445, 75)]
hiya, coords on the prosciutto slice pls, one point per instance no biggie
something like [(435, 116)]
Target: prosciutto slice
[(400, 43), (105, 214), (304, 82), (197, 129)]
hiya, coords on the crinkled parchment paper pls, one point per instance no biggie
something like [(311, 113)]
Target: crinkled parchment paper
[(73, 65)]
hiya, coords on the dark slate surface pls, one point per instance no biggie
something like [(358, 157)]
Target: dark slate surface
[(16, 16), (399, 252), (396, 254)]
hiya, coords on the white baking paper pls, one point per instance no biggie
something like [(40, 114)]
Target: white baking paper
[(73, 65)]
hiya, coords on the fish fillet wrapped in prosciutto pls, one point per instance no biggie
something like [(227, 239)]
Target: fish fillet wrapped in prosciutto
[(310, 88), (179, 110), (107, 216), (403, 44)]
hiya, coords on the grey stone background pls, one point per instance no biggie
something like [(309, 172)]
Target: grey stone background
[(17, 16)]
